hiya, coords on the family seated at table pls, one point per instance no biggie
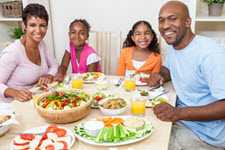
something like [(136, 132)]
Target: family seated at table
[(37, 64), (194, 63)]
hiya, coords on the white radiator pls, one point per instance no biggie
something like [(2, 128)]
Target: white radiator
[(108, 45)]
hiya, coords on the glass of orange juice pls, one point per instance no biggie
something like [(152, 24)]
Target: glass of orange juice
[(138, 105), (77, 82), (129, 84)]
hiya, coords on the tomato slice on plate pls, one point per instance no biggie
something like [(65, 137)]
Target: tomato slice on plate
[(60, 132), (25, 136), (52, 128), (21, 144), (50, 147)]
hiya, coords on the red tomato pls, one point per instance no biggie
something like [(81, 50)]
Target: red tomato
[(65, 146), (25, 136), (65, 102), (50, 147), (60, 132), (21, 144), (98, 98), (52, 128)]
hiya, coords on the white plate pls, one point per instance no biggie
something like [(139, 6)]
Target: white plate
[(42, 129), (139, 83), (149, 103), (119, 143), (101, 77)]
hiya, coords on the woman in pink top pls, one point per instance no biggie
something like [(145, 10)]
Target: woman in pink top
[(83, 57), (27, 61)]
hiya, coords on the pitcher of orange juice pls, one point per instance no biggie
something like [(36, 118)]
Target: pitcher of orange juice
[(138, 105), (77, 82)]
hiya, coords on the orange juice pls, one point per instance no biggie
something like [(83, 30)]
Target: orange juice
[(138, 107), (77, 83), (129, 85)]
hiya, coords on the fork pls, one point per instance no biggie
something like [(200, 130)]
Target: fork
[(164, 92), (119, 82)]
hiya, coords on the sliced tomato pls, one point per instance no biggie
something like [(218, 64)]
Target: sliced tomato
[(52, 128), (65, 145), (60, 132), (21, 144), (65, 102), (25, 136), (50, 147), (98, 98)]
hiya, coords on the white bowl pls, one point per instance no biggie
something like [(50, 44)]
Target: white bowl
[(112, 111), (93, 127)]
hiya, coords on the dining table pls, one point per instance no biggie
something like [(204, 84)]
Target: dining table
[(28, 117)]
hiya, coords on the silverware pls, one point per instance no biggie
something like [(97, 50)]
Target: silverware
[(164, 92), (119, 82), (155, 87), (67, 82)]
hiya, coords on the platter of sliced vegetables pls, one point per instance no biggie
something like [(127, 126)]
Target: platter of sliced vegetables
[(114, 131), (44, 137)]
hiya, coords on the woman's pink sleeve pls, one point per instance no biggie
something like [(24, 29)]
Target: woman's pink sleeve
[(8, 63)]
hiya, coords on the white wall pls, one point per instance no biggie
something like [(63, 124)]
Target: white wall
[(103, 15)]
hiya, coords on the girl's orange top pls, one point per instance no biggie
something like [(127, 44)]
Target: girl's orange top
[(151, 65)]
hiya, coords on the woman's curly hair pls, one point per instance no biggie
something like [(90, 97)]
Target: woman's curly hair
[(153, 46)]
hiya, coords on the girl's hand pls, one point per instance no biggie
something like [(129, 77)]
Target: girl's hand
[(20, 95), (59, 77), (45, 79)]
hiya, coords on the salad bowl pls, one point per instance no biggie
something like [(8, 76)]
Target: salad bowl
[(63, 106)]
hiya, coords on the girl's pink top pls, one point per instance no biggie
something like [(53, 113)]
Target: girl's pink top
[(82, 66), (17, 71)]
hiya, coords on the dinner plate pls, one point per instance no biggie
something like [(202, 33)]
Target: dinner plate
[(149, 104), (138, 77), (129, 141), (91, 77), (41, 129), (140, 83)]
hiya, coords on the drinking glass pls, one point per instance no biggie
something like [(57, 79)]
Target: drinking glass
[(77, 82), (138, 105)]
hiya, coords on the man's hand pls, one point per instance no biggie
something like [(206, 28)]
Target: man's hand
[(166, 112), (45, 79), (154, 80)]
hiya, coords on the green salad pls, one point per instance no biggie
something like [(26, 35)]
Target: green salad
[(61, 100)]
